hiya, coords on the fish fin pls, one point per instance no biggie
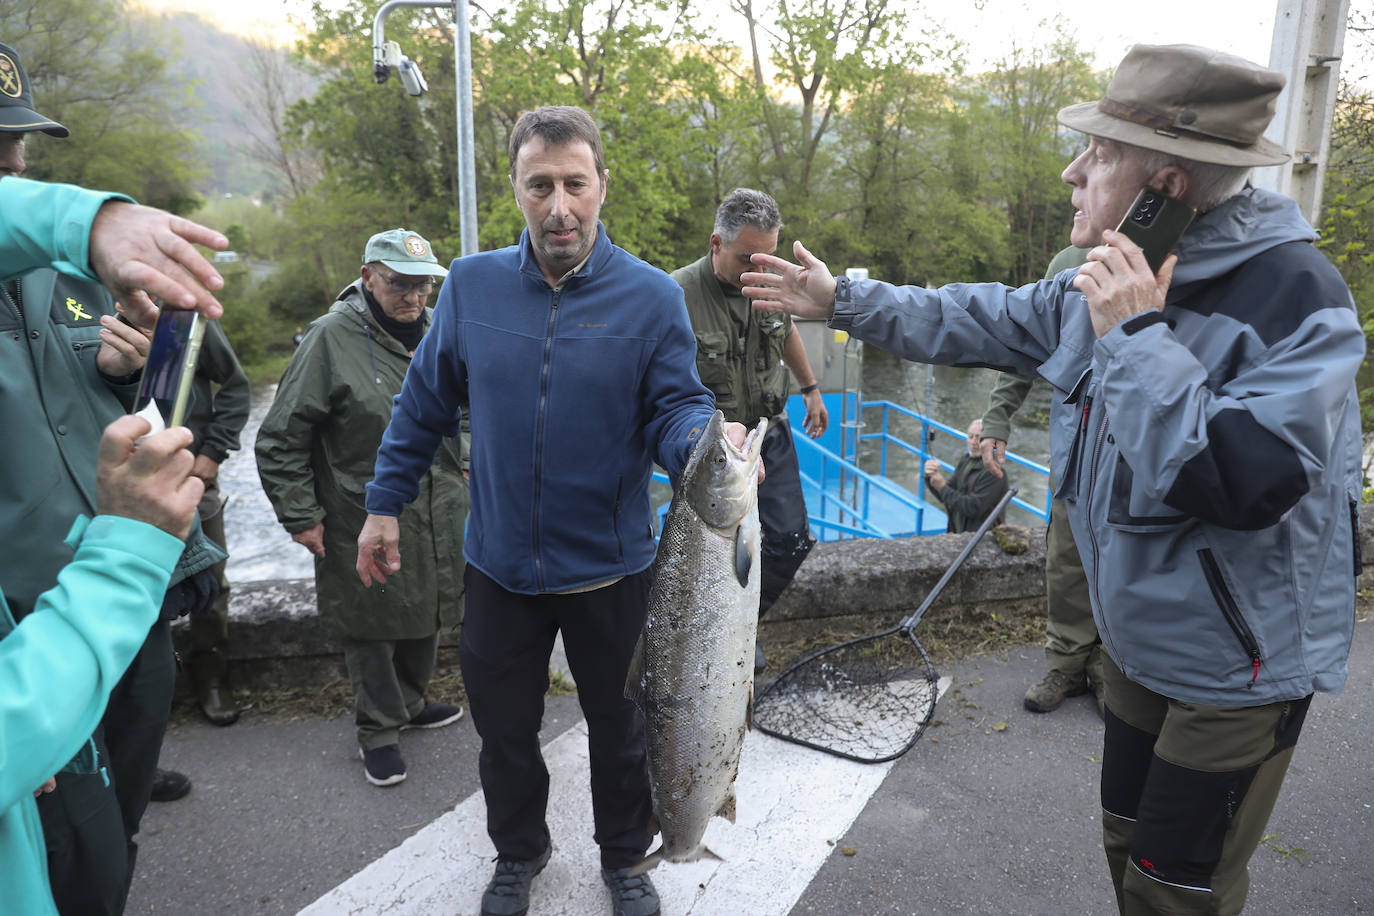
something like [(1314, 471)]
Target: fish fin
[(706, 852), (727, 811), (649, 862), (744, 559), (634, 678), (749, 710)]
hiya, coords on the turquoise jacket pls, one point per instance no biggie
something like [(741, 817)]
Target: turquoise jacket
[(57, 668)]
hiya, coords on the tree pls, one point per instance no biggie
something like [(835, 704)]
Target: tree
[(1014, 117), (103, 75)]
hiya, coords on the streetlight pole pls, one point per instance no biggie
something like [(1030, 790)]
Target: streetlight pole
[(384, 59)]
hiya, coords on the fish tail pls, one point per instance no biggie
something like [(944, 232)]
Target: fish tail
[(649, 862)]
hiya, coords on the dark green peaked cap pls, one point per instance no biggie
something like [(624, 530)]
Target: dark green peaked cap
[(16, 99)]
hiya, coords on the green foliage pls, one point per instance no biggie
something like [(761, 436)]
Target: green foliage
[(103, 75)]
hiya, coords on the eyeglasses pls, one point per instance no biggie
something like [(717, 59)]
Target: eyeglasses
[(404, 287)]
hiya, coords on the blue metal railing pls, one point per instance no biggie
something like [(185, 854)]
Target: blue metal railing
[(885, 438), (845, 501)]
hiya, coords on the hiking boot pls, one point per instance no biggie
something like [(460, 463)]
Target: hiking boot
[(1053, 689), (508, 893), (630, 896), (759, 661), (209, 672), (169, 785), (383, 766), (435, 715)]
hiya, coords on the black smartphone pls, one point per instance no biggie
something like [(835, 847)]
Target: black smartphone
[(171, 365), (1156, 222)]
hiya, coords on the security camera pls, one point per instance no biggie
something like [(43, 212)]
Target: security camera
[(411, 77), (412, 80)]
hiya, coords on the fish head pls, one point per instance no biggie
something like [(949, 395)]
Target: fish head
[(720, 481)]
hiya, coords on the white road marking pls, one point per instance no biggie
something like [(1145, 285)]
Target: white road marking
[(793, 805)]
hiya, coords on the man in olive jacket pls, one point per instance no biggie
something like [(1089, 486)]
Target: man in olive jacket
[(315, 454)]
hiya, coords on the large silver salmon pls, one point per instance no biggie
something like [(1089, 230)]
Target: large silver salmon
[(693, 670)]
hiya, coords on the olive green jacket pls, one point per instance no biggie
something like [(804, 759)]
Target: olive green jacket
[(316, 450), (747, 374), (1010, 391)]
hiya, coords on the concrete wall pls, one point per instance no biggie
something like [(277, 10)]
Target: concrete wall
[(846, 587)]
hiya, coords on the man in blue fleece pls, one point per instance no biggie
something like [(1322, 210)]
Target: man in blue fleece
[(578, 362), (1205, 438)]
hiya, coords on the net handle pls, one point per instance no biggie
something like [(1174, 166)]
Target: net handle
[(910, 623)]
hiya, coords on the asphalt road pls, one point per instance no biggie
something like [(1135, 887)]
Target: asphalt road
[(993, 812)]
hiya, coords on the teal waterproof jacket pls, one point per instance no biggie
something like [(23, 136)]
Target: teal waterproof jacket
[(57, 668)]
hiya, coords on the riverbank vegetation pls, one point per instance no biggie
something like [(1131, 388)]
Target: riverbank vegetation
[(885, 150)]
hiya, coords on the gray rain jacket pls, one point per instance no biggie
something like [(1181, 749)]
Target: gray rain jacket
[(1209, 454)]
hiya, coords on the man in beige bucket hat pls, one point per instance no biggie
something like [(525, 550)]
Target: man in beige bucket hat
[(1205, 438)]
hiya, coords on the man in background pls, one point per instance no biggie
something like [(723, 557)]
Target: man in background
[(1073, 650), (315, 453), (973, 492), (743, 356)]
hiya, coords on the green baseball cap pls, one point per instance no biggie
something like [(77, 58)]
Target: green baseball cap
[(16, 99), (406, 252)]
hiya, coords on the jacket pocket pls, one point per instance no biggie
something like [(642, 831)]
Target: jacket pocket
[(1230, 610), (1125, 510), (714, 367)]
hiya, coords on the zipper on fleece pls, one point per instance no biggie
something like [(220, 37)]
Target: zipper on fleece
[(1234, 618), (539, 436)]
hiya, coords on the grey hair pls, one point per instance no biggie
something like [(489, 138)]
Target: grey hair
[(1209, 185), (745, 207)]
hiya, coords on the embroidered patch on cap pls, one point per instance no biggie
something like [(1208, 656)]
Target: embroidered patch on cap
[(10, 84), (417, 246)]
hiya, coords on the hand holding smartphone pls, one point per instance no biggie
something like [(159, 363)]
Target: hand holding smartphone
[(1156, 222), (165, 390)]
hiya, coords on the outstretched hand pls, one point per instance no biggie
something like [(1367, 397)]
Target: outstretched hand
[(805, 289), (139, 252)]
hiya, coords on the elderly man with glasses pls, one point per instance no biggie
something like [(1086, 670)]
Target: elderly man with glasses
[(315, 453)]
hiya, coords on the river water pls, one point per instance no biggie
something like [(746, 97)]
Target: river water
[(259, 548)]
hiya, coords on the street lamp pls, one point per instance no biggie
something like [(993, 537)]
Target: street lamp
[(387, 56)]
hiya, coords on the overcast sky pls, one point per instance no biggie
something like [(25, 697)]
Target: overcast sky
[(988, 27)]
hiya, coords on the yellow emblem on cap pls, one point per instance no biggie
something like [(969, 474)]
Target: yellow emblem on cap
[(417, 246), (9, 77)]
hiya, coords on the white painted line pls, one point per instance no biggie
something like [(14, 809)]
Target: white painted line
[(793, 804)]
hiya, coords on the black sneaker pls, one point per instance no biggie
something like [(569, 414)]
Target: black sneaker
[(508, 893), (435, 715), (383, 765), (630, 896), (169, 785)]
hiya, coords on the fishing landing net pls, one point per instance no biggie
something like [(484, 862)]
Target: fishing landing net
[(868, 699)]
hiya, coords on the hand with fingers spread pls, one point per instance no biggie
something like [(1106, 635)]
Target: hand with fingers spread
[(148, 479), (379, 549), (123, 346), (139, 252), (1118, 283), (807, 291)]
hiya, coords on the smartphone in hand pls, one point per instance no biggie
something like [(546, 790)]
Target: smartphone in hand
[(171, 366), (1156, 222)]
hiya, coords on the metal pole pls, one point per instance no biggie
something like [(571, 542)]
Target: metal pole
[(462, 68), (467, 168), (1307, 46)]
